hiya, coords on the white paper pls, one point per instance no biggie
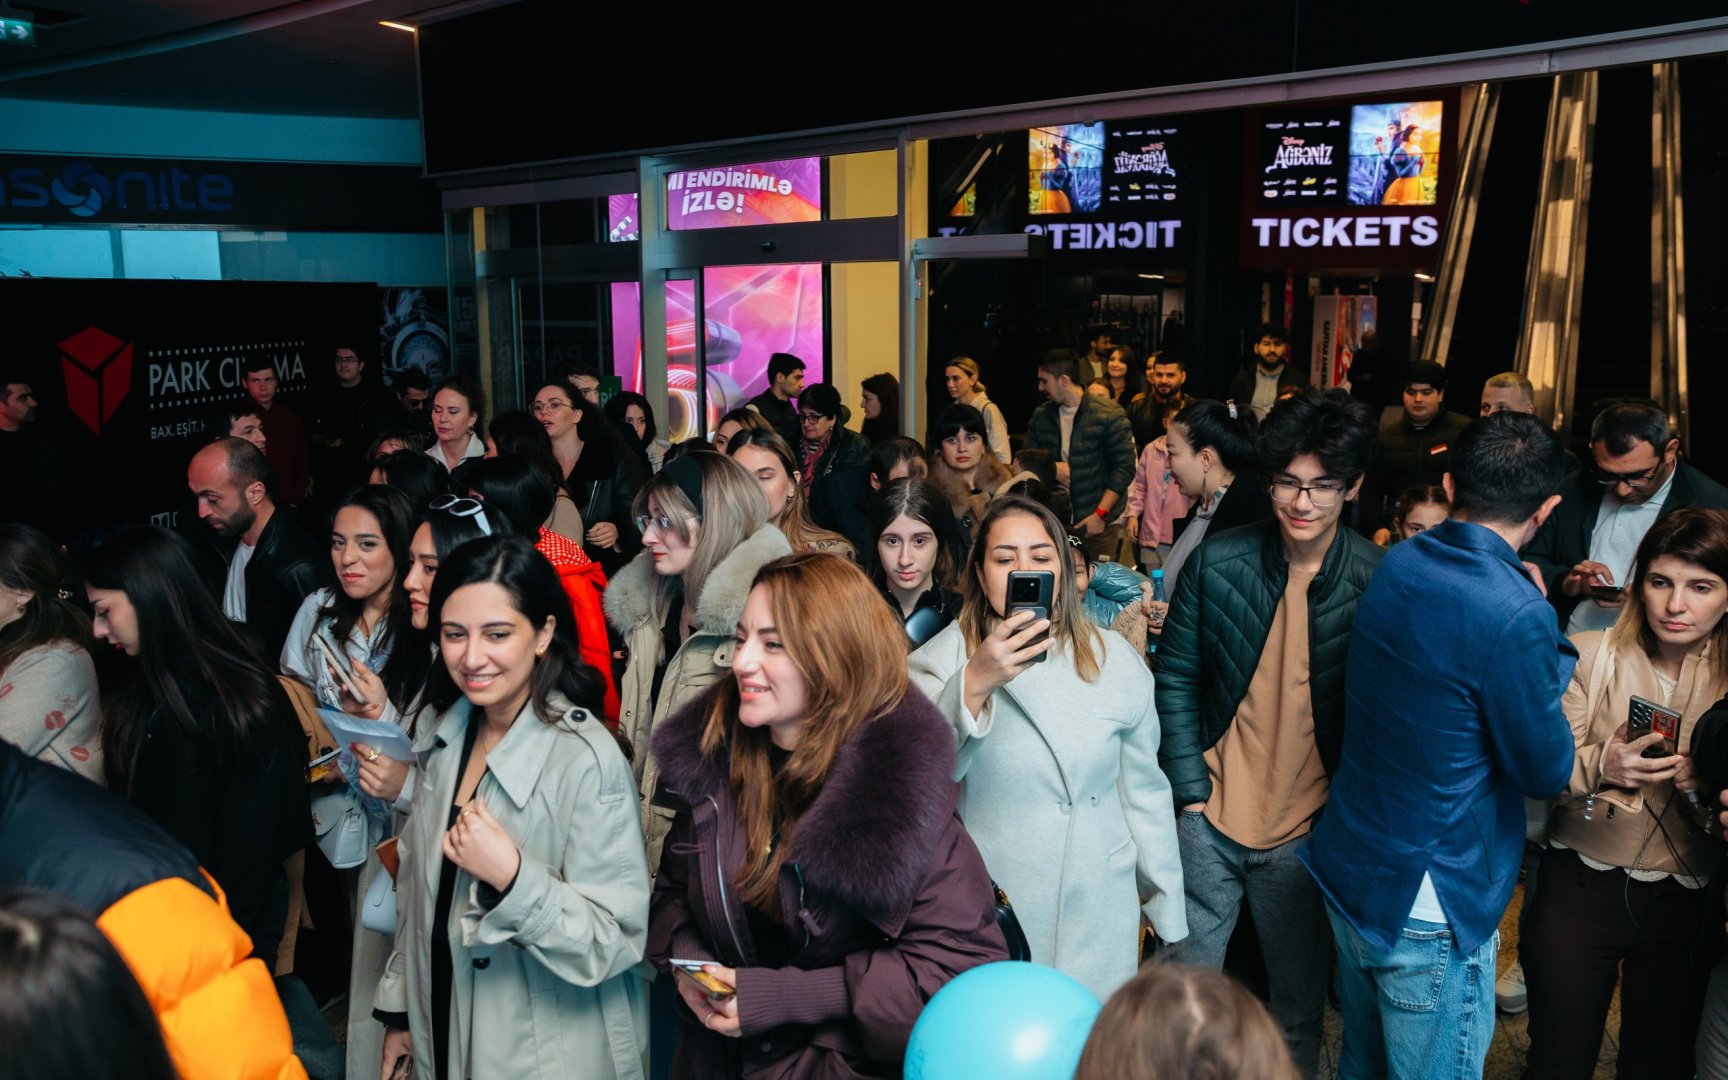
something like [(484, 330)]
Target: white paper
[(391, 740)]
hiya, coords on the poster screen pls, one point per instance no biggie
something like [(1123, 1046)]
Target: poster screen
[(1303, 158), (1140, 163), (1065, 169), (766, 193), (1395, 153), (753, 312)]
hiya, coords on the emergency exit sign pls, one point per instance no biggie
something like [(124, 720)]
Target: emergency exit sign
[(17, 31)]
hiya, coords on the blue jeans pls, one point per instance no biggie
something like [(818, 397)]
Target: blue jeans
[(1423, 1010)]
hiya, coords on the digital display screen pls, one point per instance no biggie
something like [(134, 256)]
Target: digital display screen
[(1361, 155), (766, 193), (1065, 169), (1140, 163)]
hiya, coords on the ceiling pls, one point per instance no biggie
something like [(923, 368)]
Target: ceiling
[(311, 57)]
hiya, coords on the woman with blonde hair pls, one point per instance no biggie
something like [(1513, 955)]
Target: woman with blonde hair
[(1181, 1020), (965, 387), (1067, 804), (817, 871), (705, 534), (768, 457), (1623, 893)]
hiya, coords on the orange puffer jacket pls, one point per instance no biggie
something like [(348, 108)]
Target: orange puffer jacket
[(584, 582)]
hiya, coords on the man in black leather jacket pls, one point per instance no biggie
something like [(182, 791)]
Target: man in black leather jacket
[(271, 565)]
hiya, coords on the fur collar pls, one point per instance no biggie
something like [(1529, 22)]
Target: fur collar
[(630, 595), (869, 836), (989, 475)]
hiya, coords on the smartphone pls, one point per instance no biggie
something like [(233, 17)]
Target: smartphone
[(338, 661), (1608, 594), (323, 767), (1031, 590), (690, 971), (1646, 716)]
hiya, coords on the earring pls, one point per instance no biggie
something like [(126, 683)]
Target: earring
[(541, 651), (788, 496)]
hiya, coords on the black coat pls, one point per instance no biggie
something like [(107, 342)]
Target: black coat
[(603, 484), (781, 415), (286, 568), (1242, 386), (1564, 539), (1406, 455)]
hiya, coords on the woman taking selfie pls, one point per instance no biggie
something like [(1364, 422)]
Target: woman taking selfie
[(1622, 894), (962, 467), (49, 705), (200, 735), (522, 898), (601, 471), (1068, 805), (914, 564), (815, 802), (768, 458), (676, 605)]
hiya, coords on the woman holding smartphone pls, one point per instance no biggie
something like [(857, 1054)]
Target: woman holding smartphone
[(1622, 893), (817, 873), (199, 734), (1068, 805), (522, 891)]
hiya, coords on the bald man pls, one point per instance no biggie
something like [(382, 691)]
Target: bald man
[(272, 565)]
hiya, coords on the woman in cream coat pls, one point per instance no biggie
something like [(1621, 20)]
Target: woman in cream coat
[(1059, 759)]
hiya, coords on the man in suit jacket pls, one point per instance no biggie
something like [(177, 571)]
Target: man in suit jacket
[(1452, 718), (1605, 511)]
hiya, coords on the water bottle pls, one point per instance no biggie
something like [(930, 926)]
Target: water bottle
[(1158, 595)]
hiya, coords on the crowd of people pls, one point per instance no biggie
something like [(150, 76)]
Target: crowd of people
[(563, 749)]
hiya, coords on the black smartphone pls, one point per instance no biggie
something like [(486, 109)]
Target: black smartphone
[(1608, 594), (1031, 590), (1646, 716)]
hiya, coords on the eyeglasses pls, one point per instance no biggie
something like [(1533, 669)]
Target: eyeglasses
[(659, 521), (541, 408), (462, 506), (1636, 480), (340, 359), (1322, 494), (812, 417)]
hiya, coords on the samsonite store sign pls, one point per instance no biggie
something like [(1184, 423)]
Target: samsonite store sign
[(1349, 186), (42, 189)]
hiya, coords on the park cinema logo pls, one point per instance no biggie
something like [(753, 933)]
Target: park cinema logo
[(98, 370)]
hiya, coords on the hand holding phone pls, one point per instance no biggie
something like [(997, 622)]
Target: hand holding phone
[(1646, 716), (695, 973), (1032, 590), (337, 661)]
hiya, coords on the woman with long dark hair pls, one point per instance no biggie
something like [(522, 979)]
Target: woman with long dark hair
[(1211, 445), (1068, 805), (199, 734), (73, 1007), (915, 561), (814, 798), (601, 470), (881, 405), (516, 432), (49, 705), (367, 615), (632, 413), (1623, 894), (522, 892)]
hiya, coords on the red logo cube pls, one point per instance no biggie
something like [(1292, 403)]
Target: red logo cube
[(98, 369)]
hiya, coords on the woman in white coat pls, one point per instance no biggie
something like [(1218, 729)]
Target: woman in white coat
[(1058, 753), (522, 890)]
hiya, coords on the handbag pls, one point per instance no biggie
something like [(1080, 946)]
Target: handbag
[(340, 827), (1009, 924), (378, 910)]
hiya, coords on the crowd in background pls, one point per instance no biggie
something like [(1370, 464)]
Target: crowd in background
[(557, 748)]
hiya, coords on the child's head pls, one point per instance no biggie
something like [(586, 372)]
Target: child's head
[(1082, 562), (1419, 509), (1040, 463), (1177, 1020)]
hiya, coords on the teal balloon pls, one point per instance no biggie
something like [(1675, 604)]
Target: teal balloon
[(1005, 1021)]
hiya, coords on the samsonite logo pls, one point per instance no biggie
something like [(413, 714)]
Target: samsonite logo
[(98, 371), (86, 191)]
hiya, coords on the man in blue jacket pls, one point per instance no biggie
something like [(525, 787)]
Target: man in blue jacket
[(1452, 717)]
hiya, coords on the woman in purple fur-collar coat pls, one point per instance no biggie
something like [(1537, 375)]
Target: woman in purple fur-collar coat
[(816, 862)]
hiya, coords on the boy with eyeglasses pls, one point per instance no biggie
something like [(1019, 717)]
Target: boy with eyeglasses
[(1635, 477), (1250, 694)]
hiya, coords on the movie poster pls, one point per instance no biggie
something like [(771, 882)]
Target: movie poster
[(1303, 157), (1065, 169), (1395, 153), (1141, 163), (414, 332)]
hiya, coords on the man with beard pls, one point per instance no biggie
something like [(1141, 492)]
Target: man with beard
[(272, 564), (1165, 375)]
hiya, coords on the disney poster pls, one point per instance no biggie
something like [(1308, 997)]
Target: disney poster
[(1395, 153), (1066, 169)]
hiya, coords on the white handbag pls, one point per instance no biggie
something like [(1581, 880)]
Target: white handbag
[(378, 909)]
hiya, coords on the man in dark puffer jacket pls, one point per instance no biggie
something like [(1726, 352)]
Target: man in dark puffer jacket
[(1096, 461), (1251, 701)]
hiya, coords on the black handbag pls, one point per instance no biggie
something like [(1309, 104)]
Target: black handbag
[(1009, 923)]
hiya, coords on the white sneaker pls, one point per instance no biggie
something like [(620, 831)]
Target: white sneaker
[(1509, 993)]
